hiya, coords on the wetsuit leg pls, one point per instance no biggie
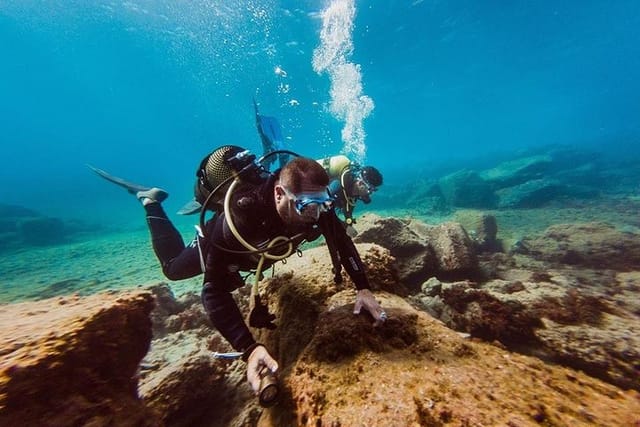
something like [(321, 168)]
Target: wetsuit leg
[(177, 261)]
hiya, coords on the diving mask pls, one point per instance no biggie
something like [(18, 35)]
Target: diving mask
[(370, 188), (311, 205)]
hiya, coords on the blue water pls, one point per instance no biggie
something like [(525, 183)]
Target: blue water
[(144, 89)]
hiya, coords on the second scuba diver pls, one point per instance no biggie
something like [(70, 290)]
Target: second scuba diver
[(350, 182)]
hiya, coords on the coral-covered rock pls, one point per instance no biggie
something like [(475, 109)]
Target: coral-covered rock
[(73, 361)]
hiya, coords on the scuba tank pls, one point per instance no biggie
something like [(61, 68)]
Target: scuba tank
[(216, 171), (335, 165)]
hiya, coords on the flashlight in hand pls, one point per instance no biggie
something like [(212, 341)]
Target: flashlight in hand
[(269, 389)]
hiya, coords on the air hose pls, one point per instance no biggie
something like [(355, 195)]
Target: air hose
[(264, 253), (275, 243)]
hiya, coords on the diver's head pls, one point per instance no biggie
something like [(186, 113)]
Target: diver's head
[(366, 180), (301, 192)]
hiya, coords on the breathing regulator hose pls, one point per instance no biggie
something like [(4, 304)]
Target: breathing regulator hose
[(266, 253)]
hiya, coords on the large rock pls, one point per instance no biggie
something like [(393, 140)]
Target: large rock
[(421, 250), (517, 171), (481, 227), (415, 257), (593, 245), (576, 317), (73, 361), (20, 227), (467, 189), (336, 369), (530, 194), (453, 249)]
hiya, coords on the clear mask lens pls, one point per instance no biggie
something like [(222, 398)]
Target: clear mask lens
[(370, 188), (311, 205)]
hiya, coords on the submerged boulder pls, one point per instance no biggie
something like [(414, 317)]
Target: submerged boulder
[(73, 361), (421, 250), (531, 194), (482, 228)]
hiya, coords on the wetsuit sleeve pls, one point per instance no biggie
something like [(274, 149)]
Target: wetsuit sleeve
[(338, 241), (216, 293)]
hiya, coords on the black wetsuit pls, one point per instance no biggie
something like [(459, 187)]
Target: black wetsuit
[(257, 221)]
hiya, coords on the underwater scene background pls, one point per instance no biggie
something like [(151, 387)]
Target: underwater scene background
[(503, 244)]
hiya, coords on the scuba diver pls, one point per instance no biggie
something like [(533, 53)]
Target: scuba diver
[(350, 182), (259, 218)]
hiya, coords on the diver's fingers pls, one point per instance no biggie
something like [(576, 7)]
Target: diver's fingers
[(358, 306)]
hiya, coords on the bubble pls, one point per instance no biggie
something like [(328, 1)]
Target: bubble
[(348, 102), (279, 71)]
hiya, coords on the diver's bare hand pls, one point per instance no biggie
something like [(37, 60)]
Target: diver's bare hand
[(365, 299), (258, 360)]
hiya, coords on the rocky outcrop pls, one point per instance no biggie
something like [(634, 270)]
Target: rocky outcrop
[(583, 318), (482, 228), (336, 369), (467, 189), (20, 226), (74, 361), (592, 245), (421, 250), (533, 179), (518, 171)]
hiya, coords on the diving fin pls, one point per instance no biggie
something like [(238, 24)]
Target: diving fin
[(192, 207), (269, 130), (129, 186)]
